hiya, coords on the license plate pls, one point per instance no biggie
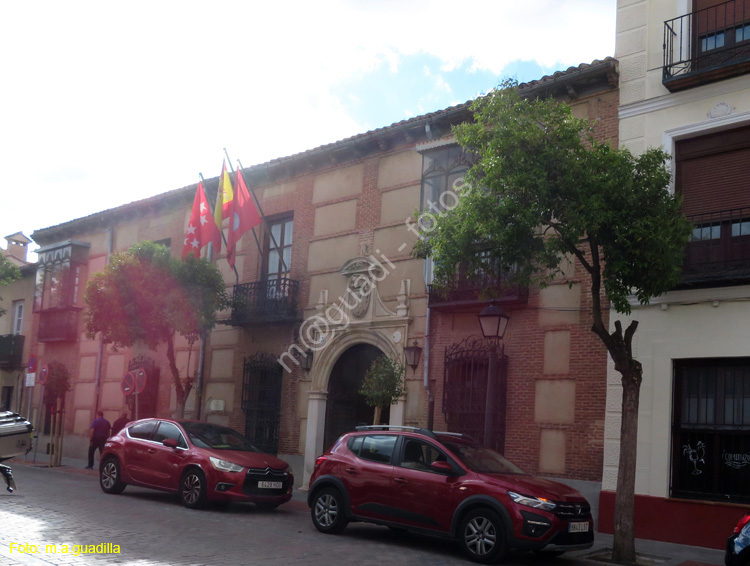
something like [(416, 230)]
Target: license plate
[(278, 485), (578, 527)]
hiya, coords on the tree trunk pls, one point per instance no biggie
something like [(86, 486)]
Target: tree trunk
[(181, 392), (623, 550), (378, 412)]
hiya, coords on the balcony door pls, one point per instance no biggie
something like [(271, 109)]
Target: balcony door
[(278, 256)]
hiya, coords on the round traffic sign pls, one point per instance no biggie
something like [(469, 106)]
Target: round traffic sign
[(43, 375), (141, 379), (128, 384), (31, 364)]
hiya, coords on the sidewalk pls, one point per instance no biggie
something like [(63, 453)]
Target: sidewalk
[(655, 553)]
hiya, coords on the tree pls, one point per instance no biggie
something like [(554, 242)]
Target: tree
[(542, 189), (57, 385), (8, 273), (147, 296), (383, 384)]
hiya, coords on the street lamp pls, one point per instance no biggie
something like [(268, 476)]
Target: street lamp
[(306, 360), (412, 354), (493, 321)]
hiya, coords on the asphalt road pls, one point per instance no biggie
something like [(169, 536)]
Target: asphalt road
[(65, 506)]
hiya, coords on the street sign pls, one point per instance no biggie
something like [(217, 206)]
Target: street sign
[(31, 364), (127, 385), (141, 379), (30, 379), (43, 375)]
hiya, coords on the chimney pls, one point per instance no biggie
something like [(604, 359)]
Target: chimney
[(17, 246)]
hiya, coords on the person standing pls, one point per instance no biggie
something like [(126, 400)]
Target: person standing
[(98, 435), (120, 423)]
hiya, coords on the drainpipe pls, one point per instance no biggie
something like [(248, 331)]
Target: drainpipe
[(100, 357), (430, 396)]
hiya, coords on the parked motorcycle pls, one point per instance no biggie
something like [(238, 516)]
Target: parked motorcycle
[(15, 440), (738, 545)]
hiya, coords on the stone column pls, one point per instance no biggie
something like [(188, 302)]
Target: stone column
[(316, 424)]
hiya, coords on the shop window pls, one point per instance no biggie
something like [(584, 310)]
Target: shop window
[(711, 422)]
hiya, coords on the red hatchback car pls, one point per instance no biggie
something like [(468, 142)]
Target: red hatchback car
[(446, 485), (197, 460)]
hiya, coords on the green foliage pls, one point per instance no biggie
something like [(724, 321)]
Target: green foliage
[(383, 383), (58, 380), (146, 295), (541, 188), (9, 272)]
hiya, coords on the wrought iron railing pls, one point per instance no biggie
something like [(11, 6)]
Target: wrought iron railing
[(707, 40), (58, 324), (11, 351), (467, 288), (719, 248), (265, 301)]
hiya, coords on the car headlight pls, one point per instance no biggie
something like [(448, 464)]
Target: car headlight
[(225, 465), (535, 502)]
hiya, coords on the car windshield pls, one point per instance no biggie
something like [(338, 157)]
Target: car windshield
[(206, 435), (479, 458)]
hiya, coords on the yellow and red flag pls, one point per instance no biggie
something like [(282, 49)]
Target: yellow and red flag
[(201, 228), (224, 197)]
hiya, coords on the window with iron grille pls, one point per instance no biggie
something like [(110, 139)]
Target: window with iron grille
[(710, 429), (261, 401)]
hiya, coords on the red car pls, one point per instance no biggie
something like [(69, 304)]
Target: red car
[(197, 460), (445, 485)]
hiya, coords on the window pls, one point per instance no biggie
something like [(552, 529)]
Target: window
[(419, 455), (742, 33), (142, 430), (168, 430), (378, 448), (261, 401), (712, 41), (17, 317), (443, 170), (278, 250), (711, 422)]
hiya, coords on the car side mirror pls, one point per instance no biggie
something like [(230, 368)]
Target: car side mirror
[(443, 467), (170, 443)]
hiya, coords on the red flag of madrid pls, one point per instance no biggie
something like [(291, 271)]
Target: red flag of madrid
[(201, 228), (244, 216)]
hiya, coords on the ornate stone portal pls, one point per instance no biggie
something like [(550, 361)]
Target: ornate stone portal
[(359, 316)]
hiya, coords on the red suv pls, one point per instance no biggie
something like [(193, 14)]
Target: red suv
[(447, 485)]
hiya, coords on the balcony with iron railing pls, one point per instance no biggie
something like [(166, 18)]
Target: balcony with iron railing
[(267, 301), (59, 324), (707, 45), (473, 289), (719, 249), (11, 351)]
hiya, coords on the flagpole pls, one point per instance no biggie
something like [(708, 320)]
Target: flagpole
[(202, 345), (263, 217)]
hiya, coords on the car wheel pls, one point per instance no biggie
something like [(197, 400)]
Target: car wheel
[(482, 537), (327, 511), (267, 506), (193, 489), (109, 477)]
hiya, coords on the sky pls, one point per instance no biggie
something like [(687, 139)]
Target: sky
[(105, 103)]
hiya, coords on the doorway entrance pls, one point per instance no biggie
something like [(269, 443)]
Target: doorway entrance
[(346, 408)]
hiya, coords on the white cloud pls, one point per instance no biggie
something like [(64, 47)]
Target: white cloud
[(105, 103)]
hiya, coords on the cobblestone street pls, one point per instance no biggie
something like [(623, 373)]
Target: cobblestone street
[(65, 506)]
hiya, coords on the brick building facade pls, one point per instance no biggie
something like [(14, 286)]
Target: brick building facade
[(338, 215)]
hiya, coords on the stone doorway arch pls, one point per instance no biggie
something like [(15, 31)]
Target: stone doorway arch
[(345, 407), (321, 373)]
